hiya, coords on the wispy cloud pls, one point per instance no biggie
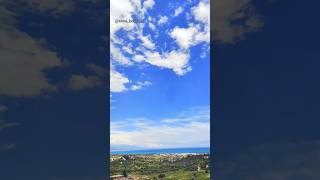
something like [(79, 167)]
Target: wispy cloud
[(189, 129), (178, 11), (5, 124), (140, 85)]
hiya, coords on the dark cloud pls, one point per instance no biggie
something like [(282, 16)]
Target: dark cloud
[(79, 82), (3, 108), (97, 69), (5, 124), (233, 19), (23, 59), (51, 6), (6, 147)]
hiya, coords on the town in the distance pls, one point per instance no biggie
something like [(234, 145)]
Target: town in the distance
[(194, 166)]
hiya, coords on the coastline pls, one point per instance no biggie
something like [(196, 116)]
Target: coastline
[(181, 151)]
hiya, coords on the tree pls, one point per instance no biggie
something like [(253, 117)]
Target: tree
[(124, 173), (161, 176)]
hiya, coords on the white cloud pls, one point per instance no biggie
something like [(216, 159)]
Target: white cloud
[(162, 20), (178, 11), (142, 132), (127, 49), (196, 114), (146, 41), (175, 60), (118, 81), (185, 37), (202, 12), (138, 58), (195, 33), (117, 56), (152, 26), (139, 85), (123, 9), (135, 87), (148, 4)]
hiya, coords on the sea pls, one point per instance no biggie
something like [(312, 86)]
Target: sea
[(201, 150)]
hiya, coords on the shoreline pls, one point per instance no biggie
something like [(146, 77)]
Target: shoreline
[(197, 150)]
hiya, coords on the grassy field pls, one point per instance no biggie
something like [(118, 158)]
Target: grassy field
[(181, 175), (170, 167)]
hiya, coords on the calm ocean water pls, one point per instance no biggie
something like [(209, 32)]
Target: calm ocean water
[(166, 151)]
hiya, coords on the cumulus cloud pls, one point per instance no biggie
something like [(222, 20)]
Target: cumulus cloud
[(123, 9), (138, 58), (202, 12), (146, 42), (195, 33), (186, 37), (178, 11), (162, 20), (119, 10), (175, 60), (226, 12), (79, 82), (127, 49), (99, 70), (23, 63), (118, 81), (24, 58), (152, 26), (118, 57), (142, 132), (148, 4), (147, 52)]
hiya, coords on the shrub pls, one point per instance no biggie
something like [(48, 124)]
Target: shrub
[(161, 176), (125, 174)]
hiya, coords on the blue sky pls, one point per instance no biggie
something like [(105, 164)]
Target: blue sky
[(160, 74)]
